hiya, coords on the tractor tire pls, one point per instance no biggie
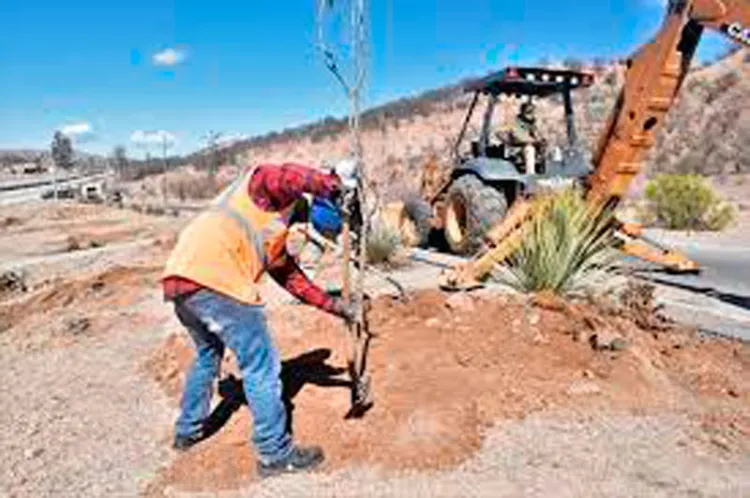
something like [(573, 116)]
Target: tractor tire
[(415, 225), (473, 207)]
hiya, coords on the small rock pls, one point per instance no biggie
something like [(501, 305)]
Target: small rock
[(578, 335), (540, 338), (97, 285), (733, 392), (463, 359), (607, 340), (721, 443), (32, 453), (77, 325), (534, 318), (588, 374), (583, 387), (460, 301), (432, 322)]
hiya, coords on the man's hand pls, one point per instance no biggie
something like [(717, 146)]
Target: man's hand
[(350, 312)]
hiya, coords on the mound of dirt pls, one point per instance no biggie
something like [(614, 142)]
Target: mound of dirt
[(443, 370), (118, 286)]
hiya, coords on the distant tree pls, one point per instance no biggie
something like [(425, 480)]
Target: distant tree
[(62, 151), (573, 63), (119, 160), (213, 157), (600, 64), (544, 61)]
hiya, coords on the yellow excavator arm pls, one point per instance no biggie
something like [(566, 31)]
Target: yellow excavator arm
[(654, 75), (653, 79)]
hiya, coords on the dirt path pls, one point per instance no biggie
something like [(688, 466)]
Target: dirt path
[(79, 420), (622, 456)]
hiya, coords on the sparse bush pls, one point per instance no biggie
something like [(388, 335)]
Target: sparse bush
[(566, 248), (383, 242), (686, 202), (193, 187), (13, 281)]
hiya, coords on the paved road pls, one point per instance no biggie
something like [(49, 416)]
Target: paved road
[(716, 300), (30, 182), (15, 193)]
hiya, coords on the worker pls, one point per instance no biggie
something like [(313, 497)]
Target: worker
[(213, 278), (524, 134)]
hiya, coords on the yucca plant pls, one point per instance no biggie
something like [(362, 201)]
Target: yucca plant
[(567, 247)]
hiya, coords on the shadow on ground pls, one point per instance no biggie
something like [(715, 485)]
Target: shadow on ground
[(307, 368)]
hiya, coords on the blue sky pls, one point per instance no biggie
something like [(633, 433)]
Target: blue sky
[(109, 69)]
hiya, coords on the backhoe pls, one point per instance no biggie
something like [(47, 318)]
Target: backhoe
[(654, 75)]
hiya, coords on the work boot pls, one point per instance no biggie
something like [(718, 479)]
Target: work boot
[(184, 443), (299, 460)]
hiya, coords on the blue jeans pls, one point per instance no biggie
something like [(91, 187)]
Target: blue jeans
[(214, 321)]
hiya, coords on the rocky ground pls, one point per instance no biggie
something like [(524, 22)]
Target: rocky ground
[(480, 395)]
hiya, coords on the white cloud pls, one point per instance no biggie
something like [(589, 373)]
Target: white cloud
[(169, 57), (152, 137), (74, 130), (231, 139)]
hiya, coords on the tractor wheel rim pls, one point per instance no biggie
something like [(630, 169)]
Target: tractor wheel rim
[(408, 231), (455, 221)]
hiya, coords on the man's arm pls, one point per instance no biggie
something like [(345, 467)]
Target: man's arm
[(276, 187), (293, 279)]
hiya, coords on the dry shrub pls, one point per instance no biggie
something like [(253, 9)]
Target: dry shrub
[(74, 243), (638, 304), (9, 221), (686, 202), (12, 281), (383, 242), (193, 187)]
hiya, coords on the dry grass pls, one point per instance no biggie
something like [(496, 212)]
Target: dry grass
[(383, 243), (195, 186)]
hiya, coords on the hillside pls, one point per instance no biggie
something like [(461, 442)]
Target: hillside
[(707, 132)]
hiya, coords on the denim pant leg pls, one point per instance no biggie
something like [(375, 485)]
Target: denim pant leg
[(244, 330), (196, 397)]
